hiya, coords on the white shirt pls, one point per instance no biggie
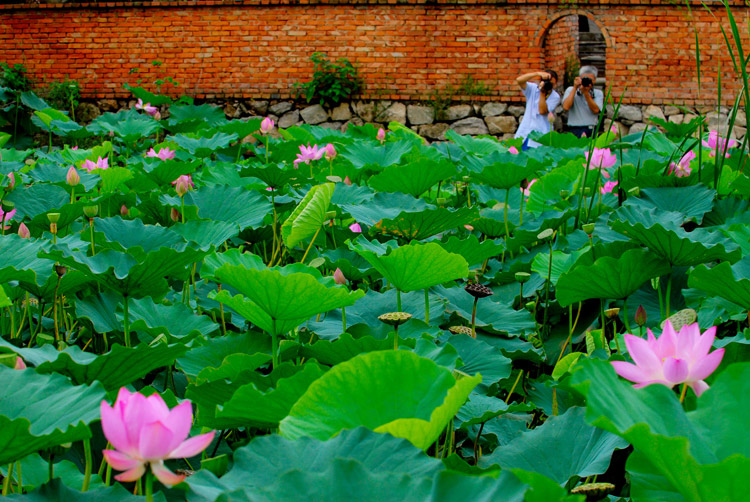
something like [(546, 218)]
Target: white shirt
[(532, 120), (580, 114)]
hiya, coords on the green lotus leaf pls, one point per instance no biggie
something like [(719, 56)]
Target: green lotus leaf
[(309, 215), (397, 392), (426, 223), (223, 203), (26, 424), (378, 453), (251, 406), (478, 357), (241, 128), (203, 146), (374, 156), (369, 209), (480, 409), (148, 97), (473, 251), (272, 176), (161, 173), (274, 295), (693, 201), (207, 115), (731, 282), (20, 261), (414, 178), (127, 124), (234, 256), (580, 449), (206, 234), (131, 234), (56, 490), (346, 346), (33, 101), (663, 236), (352, 265), (114, 369), (698, 453), (38, 199), (211, 352), (416, 266), (609, 277), (4, 300), (561, 263), (506, 175)]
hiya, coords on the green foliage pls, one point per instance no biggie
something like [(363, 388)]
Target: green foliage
[(332, 82), (65, 95), (14, 77)]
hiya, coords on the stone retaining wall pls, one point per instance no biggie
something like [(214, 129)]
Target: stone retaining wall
[(497, 119)]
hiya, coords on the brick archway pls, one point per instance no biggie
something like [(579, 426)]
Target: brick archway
[(542, 32)]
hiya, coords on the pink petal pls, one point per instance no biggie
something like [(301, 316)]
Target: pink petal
[(643, 355), (179, 421), (159, 408), (114, 429), (120, 461), (667, 344), (702, 346), (707, 365), (163, 474), (676, 370), (630, 371), (192, 446), (154, 441), (698, 387), (133, 474)]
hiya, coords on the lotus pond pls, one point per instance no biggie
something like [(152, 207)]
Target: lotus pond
[(211, 310)]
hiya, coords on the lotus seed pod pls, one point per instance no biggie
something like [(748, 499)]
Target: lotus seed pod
[(681, 318), (478, 290), (640, 316), (61, 270), (8, 206), (53, 217), (441, 200), (525, 183), (588, 228), (545, 234), (593, 491), (90, 211), (460, 330), (530, 306), (612, 313), (635, 191), (655, 283), (587, 191), (472, 275), (466, 179), (522, 277), (564, 194), (394, 318)]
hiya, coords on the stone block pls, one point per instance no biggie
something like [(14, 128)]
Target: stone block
[(433, 131), (280, 108), (677, 118), (86, 112), (471, 126), (494, 109), (289, 119), (653, 111), (396, 112), (260, 107), (365, 111), (516, 111), (341, 113), (502, 124), (314, 114), (671, 110), (457, 112), (420, 114), (637, 127)]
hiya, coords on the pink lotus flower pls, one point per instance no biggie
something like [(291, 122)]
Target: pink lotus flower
[(330, 151), (151, 110), (354, 227), (144, 432), (157, 115), (20, 365), (101, 163), (347, 181), (266, 125), (308, 153), (23, 231), (6, 217), (682, 169), (12, 182), (381, 135), (608, 187), (526, 190), (513, 150), (338, 277), (470, 228), (717, 142), (183, 184), (74, 148), (614, 130), (671, 359), (164, 153), (72, 177), (601, 159)]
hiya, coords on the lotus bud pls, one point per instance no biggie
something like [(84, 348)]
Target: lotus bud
[(174, 215), (545, 234), (564, 194), (640, 316), (182, 185), (338, 277), (522, 277), (381, 135), (266, 125), (469, 228), (356, 228), (551, 118), (11, 182), (23, 231), (157, 116), (124, 211), (90, 211), (73, 178), (530, 306), (53, 217), (330, 151), (61, 270), (513, 150), (588, 228), (347, 181), (20, 365)]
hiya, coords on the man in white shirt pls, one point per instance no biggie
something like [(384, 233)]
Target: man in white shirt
[(541, 100), (583, 102)]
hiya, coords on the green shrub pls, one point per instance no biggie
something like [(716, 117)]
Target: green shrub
[(14, 77), (65, 95), (332, 83)]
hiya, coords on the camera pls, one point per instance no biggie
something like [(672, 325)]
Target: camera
[(546, 86), (586, 82)]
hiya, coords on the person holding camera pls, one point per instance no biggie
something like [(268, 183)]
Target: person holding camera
[(583, 102), (541, 100)]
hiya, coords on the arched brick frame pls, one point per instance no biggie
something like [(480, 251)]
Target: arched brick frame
[(542, 33)]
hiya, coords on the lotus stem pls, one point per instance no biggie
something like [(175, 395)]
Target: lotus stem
[(149, 486), (667, 296), (72, 195), (343, 319), (223, 322), (274, 345), (54, 310), (505, 214), (310, 245), (476, 443), (20, 478), (89, 462), (91, 226), (682, 394), (182, 208), (395, 337), (6, 481), (126, 321), (426, 305), (605, 346), (474, 318), (546, 289), (51, 468), (518, 378), (273, 228)]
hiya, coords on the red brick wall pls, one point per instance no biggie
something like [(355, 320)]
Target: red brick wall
[(560, 44), (405, 49)]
